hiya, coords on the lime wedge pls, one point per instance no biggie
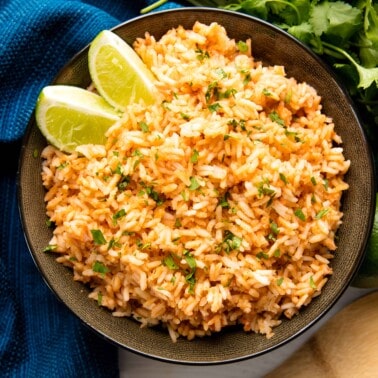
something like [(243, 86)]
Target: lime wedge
[(70, 116), (118, 73)]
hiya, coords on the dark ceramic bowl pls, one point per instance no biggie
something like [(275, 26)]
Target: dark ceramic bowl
[(272, 46)]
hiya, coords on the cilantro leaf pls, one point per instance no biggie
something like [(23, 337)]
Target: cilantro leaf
[(337, 21), (98, 237)]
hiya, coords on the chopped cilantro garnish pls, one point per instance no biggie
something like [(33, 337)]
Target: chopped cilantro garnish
[(229, 243), (266, 92), (99, 298), (63, 165), (136, 152), (274, 116), (159, 198), (321, 213), (262, 255), (263, 188), (169, 261), (274, 231), (50, 247), (325, 183), (242, 46), (191, 261), (299, 214), (144, 127), (228, 93), (312, 283), (185, 116), (119, 214), (193, 183), (114, 244), (223, 201), (201, 54), (99, 267), (118, 169), (283, 178), (194, 157), (214, 107), (184, 195), (98, 237), (49, 223), (212, 92), (247, 78), (221, 73)]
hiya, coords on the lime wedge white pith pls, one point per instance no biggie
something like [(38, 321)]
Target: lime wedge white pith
[(118, 73), (69, 116)]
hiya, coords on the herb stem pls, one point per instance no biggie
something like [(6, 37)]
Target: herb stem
[(153, 6)]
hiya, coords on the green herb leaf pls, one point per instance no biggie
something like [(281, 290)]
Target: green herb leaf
[(123, 182), (223, 201), (230, 242), (242, 46), (312, 283), (274, 116), (262, 255), (263, 188), (99, 298), (98, 237), (185, 116), (49, 223), (50, 247), (169, 262), (279, 281), (119, 214), (274, 231), (266, 92), (194, 157), (191, 261), (337, 21), (283, 178), (214, 107), (99, 267), (321, 213), (184, 195), (114, 244), (299, 214), (201, 54), (144, 127), (193, 183)]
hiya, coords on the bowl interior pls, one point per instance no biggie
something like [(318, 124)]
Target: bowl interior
[(273, 47)]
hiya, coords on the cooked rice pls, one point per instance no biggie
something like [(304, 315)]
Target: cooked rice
[(222, 211)]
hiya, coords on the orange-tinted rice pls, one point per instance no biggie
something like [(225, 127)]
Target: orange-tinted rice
[(217, 206)]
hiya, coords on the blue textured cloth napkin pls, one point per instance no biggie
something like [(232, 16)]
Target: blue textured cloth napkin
[(39, 336)]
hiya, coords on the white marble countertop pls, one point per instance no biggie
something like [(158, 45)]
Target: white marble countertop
[(133, 365)]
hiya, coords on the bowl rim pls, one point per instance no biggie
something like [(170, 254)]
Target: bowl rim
[(352, 106)]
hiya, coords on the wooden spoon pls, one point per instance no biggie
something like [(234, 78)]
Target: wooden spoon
[(345, 346)]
